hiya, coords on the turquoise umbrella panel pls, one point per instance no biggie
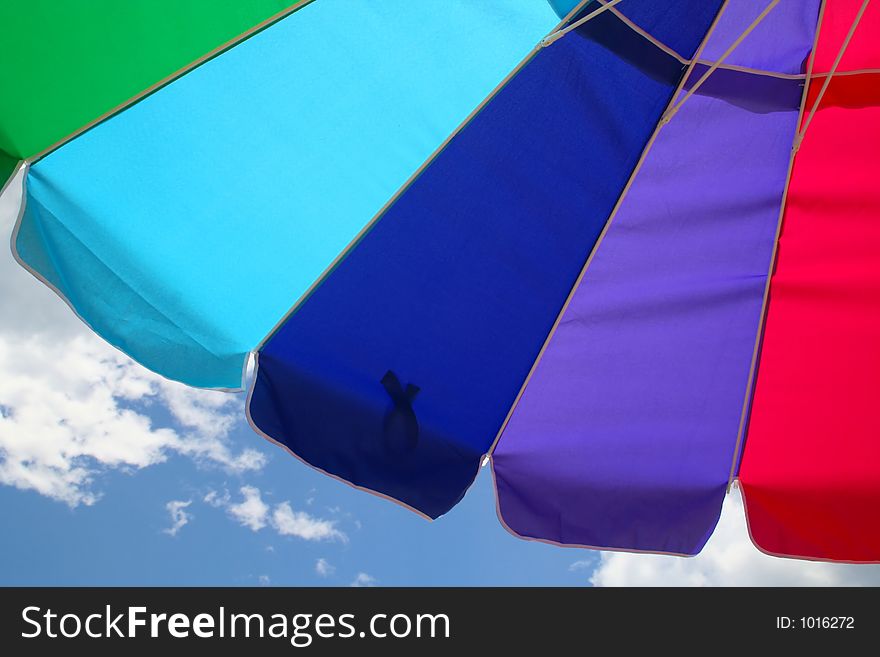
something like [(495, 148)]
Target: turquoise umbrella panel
[(208, 208)]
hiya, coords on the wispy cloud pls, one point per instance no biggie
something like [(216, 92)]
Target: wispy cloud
[(179, 516), (254, 513), (363, 579), (216, 499), (324, 568), (582, 565), (288, 522)]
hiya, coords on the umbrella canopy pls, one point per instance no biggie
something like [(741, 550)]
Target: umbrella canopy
[(632, 263), (285, 146)]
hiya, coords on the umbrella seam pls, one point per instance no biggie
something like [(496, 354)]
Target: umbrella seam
[(219, 50), (840, 53), (750, 382), (647, 148), (409, 182)]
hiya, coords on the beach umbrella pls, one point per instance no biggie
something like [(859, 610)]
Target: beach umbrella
[(623, 251)]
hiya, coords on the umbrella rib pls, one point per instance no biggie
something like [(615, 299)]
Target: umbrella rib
[(762, 318), (413, 177), (733, 46), (725, 66), (852, 30), (555, 36), (620, 199)]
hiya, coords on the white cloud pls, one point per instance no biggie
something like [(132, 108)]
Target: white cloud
[(288, 522), (179, 516), (252, 512), (582, 565), (363, 579), (729, 559), (324, 568), (73, 407), (215, 499), (265, 580)]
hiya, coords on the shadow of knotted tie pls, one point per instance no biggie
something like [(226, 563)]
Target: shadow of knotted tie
[(400, 425)]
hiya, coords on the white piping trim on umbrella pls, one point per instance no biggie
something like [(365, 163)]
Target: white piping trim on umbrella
[(780, 555), (263, 434), (24, 167), (603, 548)]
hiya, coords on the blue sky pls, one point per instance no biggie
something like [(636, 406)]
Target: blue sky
[(120, 538), (94, 448), (110, 475)]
